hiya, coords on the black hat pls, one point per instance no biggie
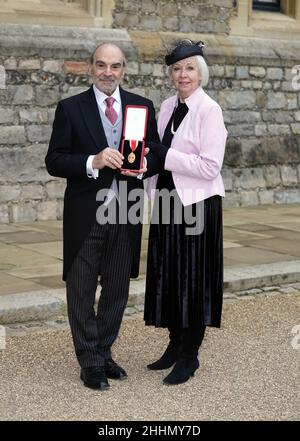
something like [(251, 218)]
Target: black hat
[(183, 50)]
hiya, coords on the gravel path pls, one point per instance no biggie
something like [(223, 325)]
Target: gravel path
[(249, 370)]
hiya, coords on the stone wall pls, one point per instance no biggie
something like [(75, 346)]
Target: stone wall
[(252, 83), (175, 16)]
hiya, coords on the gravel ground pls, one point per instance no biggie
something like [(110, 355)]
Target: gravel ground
[(249, 370)]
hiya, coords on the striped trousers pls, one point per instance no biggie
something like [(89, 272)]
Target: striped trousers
[(106, 251)]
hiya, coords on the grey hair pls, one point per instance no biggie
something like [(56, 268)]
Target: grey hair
[(203, 70), (107, 43)]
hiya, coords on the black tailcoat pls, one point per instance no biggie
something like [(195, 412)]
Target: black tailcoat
[(77, 133)]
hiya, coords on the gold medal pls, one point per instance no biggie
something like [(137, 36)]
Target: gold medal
[(133, 145), (131, 157)]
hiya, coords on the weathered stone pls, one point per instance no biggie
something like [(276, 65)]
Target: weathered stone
[(277, 85), (227, 179), (241, 130), (185, 24), (37, 133), (233, 152), (60, 209), (47, 210), (288, 74), (279, 129), (148, 6), (46, 96), (10, 63), (229, 71), (34, 115), (76, 67), (266, 196), (12, 135), (231, 200), (9, 193), (4, 218), (259, 72), (271, 174), (297, 115), (288, 175), (146, 68), (170, 23), (274, 73), (287, 86), (248, 198), (249, 178), (32, 192), (53, 66), (295, 129), (237, 100), (23, 95), (292, 102), (276, 100), (267, 85), (129, 21), (55, 189), (151, 23), (237, 116), (158, 70), (8, 116), (73, 91), (291, 196), (132, 68), (155, 96), (131, 5), (217, 71), (261, 130), (261, 100), (242, 72), (23, 211), (51, 115), (282, 117), (29, 64), (22, 164)]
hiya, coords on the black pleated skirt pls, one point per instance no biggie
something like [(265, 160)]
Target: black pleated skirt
[(184, 285)]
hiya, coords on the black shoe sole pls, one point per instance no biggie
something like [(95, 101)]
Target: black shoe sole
[(121, 378), (184, 380), (155, 368), (101, 387)]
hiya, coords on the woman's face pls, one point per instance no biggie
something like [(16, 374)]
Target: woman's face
[(185, 76)]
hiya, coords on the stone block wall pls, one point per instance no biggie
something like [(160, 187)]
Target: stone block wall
[(252, 84), (175, 16)]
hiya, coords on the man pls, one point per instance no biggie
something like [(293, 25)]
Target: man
[(84, 149)]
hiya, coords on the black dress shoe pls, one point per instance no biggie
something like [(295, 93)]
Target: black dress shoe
[(182, 371), (114, 371), (94, 378), (167, 360)]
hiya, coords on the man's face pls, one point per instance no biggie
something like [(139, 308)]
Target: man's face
[(108, 68)]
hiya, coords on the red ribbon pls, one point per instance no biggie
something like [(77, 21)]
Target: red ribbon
[(133, 145)]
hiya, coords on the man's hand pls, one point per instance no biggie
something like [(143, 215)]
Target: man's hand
[(108, 158), (142, 170)]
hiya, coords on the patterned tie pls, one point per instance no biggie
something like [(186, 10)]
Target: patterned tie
[(110, 111)]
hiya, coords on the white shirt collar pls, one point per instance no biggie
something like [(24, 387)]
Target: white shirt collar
[(101, 96)]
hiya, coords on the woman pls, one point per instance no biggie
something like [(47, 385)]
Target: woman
[(184, 286)]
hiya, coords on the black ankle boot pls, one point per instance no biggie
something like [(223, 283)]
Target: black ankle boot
[(182, 371), (167, 360)]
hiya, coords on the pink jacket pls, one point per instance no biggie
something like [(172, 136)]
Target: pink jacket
[(196, 154)]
